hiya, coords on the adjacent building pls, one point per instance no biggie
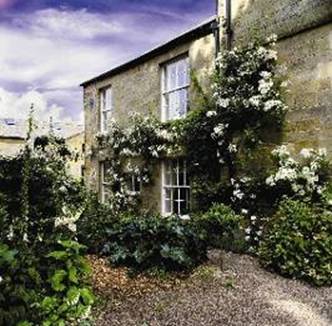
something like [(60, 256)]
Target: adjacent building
[(13, 133)]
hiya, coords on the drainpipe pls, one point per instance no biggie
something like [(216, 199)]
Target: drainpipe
[(216, 30), (228, 24)]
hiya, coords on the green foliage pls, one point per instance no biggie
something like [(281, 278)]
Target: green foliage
[(17, 287), (222, 228), (39, 204), (148, 241), (69, 296), (298, 243), (35, 188), (93, 222)]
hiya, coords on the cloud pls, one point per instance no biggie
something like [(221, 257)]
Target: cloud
[(77, 24), (14, 105), (45, 54), (4, 4)]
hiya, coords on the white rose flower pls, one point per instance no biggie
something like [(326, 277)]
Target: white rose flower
[(185, 217), (223, 102), (232, 148), (271, 55), (265, 86), (255, 100), (265, 74), (253, 218), (238, 194), (306, 152), (210, 114)]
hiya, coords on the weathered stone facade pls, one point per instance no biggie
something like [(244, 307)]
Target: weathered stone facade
[(138, 89), (76, 146), (304, 30)]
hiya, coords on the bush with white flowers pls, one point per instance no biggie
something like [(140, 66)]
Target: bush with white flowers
[(304, 178)]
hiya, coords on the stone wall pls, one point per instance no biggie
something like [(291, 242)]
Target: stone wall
[(304, 29), (75, 144), (139, 89), (11, 146)]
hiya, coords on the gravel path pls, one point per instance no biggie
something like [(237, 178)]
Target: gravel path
[(238, 293)]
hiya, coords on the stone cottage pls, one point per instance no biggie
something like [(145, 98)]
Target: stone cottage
[(159, 82)]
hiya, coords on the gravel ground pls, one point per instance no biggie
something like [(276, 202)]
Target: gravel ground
[(237, 293)]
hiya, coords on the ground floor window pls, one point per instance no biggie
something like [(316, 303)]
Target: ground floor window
[(133, 183), (105, 184), (175, 188)]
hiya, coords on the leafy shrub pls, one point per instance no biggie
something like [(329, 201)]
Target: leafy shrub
[(39, 205), (92, 224), (298, 243), (222, 228), (35, 188), (68, 298), (13, 297), (150, 241)]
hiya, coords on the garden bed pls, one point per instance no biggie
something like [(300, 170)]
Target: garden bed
[(236, 292)]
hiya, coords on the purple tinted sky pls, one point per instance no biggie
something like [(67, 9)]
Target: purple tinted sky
[(48, 47)]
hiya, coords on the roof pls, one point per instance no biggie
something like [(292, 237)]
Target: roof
[(18, 128), (194, 33)]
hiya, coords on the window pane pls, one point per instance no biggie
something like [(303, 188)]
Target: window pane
[(136, 184), (176, 199), (106, 194), (168, 201), (106, 172), (170, 76), (108, 99), (177, 104), (182, 73), (184, 201), (102, 101)]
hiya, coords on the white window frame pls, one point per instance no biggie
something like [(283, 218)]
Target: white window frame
[(102, 184), (176, 187), (105, 107), (166, 92)]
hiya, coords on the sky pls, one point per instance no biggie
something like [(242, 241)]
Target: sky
[(48, 47)]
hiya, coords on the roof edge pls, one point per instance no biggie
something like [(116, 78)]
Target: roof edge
[(201, 30)]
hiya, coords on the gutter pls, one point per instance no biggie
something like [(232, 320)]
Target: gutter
[(228, 25), (201, 30)]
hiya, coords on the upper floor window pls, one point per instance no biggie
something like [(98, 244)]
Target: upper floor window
[(106, 108), (175, 85)]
